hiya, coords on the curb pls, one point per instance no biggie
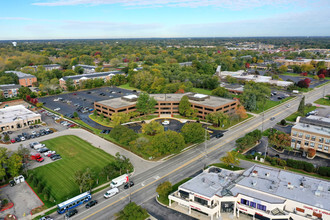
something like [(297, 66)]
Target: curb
[(37, 196), (10, 205)]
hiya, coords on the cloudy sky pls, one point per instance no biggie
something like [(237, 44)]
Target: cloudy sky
[(71, 19)]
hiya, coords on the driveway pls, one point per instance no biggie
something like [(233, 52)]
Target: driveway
[(285, 129), (23, 197)]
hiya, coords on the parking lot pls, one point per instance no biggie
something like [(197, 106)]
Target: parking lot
[(69, 102), (314, 83), (23, 197), (278, 95)]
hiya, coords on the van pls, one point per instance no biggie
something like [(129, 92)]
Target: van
[(111, 193), (119, 181)]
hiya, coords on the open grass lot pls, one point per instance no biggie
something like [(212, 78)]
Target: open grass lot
[(269, 104), (294, 116), (323, 101), (126, 86), (202, 91), (76, 154)]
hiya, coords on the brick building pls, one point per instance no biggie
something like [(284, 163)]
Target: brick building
[(168, 104), (24, 79), (9, 90), (311, 132)]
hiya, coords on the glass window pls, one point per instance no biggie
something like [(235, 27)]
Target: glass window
[(298, 142), (321, 140), (320, 147), (293, 140), (294, 133), (261, 207), (200, 201), (253, 204), (326, 148), (313, 138), (307, 136), (306, 143), (300, 135), (244, 202), (312, 144), (327, 141)]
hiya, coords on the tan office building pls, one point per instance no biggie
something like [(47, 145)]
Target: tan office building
[(168, 104), (17, 117), (301, 62), (311, 132)]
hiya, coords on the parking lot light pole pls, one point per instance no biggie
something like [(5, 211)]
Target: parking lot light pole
[(129, 188)]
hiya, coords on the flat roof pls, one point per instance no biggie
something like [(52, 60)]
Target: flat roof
[(16, 112), (314, 124), (308, 190), (91, 75), (212, 101), (10, 86)]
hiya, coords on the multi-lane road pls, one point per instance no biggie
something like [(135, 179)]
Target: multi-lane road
[(188, 163)]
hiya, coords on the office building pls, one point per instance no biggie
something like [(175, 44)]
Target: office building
[(24, 79)]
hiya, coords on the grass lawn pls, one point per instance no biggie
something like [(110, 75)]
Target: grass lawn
[(269, 104), (294, 116), (103, 122), (323, 101), (76, 154), (126, 86), (202, 91), (232, 123)]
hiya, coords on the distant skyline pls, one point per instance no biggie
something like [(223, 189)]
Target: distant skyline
[(86, 19)]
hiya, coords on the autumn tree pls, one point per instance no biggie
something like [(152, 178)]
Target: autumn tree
[(241, 112), (230, 159), (119, 118), (283, 69)]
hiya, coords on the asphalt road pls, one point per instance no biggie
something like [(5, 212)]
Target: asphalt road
[(187, 163)]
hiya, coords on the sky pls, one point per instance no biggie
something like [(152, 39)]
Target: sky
[(86, 19)]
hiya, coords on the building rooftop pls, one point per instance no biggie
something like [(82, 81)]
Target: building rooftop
[(16, 112), (21, 75), (287, 185), (91, 75), (211, 101), (10, 86), (86, 66), (314, 124), (208, 184), (52, 65)]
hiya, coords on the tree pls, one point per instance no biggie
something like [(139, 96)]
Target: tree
[(120, 118), (167, 142), (132, 212), (152, 128), (69, 85), (218, 118), (241, 112), (14, 164), (6, 138), (283, 122), (164, 189), (114, 62), (23, 92), (301, 107), (75, 114), (231, 158), (123, 134), (283, 69), (280, 139), (108, 170), (145, 104), (84, 179), (193, 133), (221, 91), (3, 161), (184, 106), (303, 84)]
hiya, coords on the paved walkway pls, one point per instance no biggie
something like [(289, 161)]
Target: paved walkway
[(140, 165)]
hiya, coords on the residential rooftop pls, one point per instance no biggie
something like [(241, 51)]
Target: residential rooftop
[(201, 99), (21, 75), (10, 86), (16, 112)]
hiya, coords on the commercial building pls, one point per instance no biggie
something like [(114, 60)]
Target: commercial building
[(168, 104), (300, 62), (17, 117), (311, 132), (261, 192), (9, 90), (243, 76), (78, 78), (24, 79)]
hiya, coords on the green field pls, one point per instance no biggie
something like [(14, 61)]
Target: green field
[(269, 104), (126, 86), (294, 116), (323, 101), (76, 154), (202, 91)]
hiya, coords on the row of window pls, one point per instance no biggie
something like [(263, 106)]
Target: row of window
[(253, 204), (312, 145), (312, 138)]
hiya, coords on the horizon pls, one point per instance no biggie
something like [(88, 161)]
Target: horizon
[(115, 19)]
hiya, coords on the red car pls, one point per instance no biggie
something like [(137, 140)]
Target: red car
[(12, 141), (71, 125), (74, 93)]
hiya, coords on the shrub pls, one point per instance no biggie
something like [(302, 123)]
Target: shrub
[(311, 152), (123, 134), (283, 122), (324, 171), (4, 202)]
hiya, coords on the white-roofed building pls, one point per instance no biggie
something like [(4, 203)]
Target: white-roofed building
[(261, 192), (17, 117)]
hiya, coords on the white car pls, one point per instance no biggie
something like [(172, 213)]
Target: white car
[(34, 132), (22, 138), (111, 193), (166, 122), (49, 152), (56, 100), (57, 109), (47, 129)]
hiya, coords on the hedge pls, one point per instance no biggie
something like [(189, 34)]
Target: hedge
[(324, 171), (297, 164)]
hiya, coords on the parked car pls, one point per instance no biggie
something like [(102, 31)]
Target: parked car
[(71, 213), (91, 204), (34, 132), (22, 138), (43, 150), (12, 183), (128, 185), (56, 157), (272, 118), (12, 141), (57, 109), (31, 127)]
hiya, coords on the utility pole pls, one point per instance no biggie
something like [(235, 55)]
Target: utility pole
[(205, 144), (129, 188)]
